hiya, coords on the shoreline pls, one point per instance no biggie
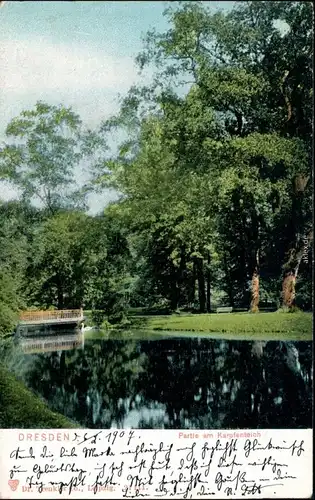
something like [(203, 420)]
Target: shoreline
[(36, 414)]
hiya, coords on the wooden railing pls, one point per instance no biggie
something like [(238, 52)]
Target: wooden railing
[(51, 315)]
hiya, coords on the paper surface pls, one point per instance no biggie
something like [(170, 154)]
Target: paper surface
[(155, 464)]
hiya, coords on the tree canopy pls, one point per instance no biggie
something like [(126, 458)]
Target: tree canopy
[(213, 175), (219, 153)]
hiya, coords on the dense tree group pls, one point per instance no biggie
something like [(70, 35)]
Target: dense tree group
[(214, 176)]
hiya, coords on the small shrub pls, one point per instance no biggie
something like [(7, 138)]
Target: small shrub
[(125, 322), (106, 325), (294, 309), (98, 317), (116, 317)]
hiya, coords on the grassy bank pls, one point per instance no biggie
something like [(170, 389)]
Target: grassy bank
[(278, 326), (20, 408)]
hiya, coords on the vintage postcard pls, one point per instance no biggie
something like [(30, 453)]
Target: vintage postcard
[(156, 249)]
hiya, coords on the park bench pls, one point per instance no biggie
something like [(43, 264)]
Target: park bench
[(224, 309)]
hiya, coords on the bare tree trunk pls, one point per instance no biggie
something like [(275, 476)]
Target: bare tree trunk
[(254, 305), (288, 290), (291, 267), (291, 272), (289, 282)]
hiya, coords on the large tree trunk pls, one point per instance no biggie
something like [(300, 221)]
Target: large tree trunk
[(254, 305), (291, 267), (208, 279), (288, 290), (291, 270)]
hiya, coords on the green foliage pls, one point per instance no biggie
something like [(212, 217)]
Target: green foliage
[(97, 317), (16, 223), (213, 172), (44, 146), (8, 306), (9, 302), (217, 168), (35, 414), (64, 260), (294, 309), (78, 261), (56, 271)]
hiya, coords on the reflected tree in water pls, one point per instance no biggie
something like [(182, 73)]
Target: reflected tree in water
[(222, 384), (91, 386), (177, 383)]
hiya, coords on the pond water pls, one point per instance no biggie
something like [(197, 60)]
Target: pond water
[(170, 382)]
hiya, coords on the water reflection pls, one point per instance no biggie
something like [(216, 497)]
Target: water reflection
[(51, 343), (188, 383)]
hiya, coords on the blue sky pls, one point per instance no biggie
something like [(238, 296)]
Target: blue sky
[(80, 54)]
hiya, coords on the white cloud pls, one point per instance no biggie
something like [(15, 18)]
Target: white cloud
[(33, 65), (76, 75), (97, 201), (7, 192), (282, 26), (84, 78)]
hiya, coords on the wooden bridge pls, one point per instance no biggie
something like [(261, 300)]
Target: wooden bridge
[(44, 317), (36, 322)]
